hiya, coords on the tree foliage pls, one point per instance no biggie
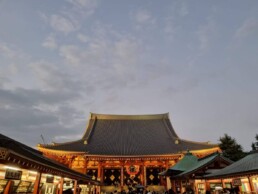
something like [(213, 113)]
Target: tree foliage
[(230, 148), (256, 138)]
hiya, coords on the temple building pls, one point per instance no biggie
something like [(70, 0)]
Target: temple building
[(126, 151)]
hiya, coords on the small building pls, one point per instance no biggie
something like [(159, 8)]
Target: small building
[(122, 151), (242, 175), (188, 173), (25, 170)]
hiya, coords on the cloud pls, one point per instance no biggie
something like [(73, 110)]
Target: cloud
[(37, 111), (62, 24), (206, 33), (117, 60), (183, 11), (53, 78), (10, 58), (84, 7), (83, 38), (142, 17), (50, 42), (71, 54), (249, 27), (170, 28), (12, 52), (21, 97)]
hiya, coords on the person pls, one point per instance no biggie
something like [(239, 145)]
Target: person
[(68, 191), (78, 190), (170, 191), (208, 192)]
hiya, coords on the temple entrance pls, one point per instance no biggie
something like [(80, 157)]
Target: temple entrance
[(152, 176), (132, 175), (112, 177), (93, 173)]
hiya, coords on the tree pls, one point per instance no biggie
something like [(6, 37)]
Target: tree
[(253, 146), (230, 148)]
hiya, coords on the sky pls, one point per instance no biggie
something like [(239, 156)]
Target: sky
[(61, 60)]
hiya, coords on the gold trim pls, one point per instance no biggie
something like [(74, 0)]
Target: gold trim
[(129, 117), (57, 152), (45, 150)]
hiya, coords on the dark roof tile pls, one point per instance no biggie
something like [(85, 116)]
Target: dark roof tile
[(123, 135)]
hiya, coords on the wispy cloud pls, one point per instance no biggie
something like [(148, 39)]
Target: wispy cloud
[(83, 38), (249, 27), (12, 52), (84, 7), (183, 11), (142, 17), (206, 33), (62, 24), (50, 42), (170, 28)]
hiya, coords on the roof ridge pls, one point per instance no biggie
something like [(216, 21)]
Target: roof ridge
[(170, 130), (89, 129), (53, 144), (128, 117), (197, 142), (209, 155)]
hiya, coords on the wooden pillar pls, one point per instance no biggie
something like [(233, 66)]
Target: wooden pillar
[(85, 165), (37, 183), (122, 176), (222, 183), (100, 172), (251, 184), (207, 186), (173, 182), (75, 187), (144, 176), (8, 187), (61, 185), (167, 184)]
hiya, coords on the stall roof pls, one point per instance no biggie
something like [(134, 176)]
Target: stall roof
[(14, 152), (203, 163), (244, 167), (190, 164)]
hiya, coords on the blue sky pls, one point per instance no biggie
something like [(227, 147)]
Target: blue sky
[(60, 60)]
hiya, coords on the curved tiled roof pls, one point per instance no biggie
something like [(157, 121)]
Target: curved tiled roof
[(185, 163), (129, 135), (245, 166), (28, 155)]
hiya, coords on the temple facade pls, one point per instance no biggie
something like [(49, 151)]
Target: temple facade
[(126, 151)]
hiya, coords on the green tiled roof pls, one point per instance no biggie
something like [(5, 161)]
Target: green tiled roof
[(199, 164), (245, 166), (188, 161), (190, 164)]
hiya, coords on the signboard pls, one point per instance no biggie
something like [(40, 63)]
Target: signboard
[(236, 182), (13, 174), (49, 179)]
